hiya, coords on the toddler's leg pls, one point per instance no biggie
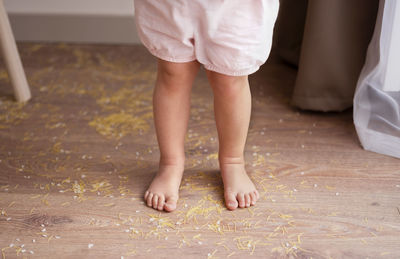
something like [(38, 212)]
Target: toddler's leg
[(171, 105), (232, 108)]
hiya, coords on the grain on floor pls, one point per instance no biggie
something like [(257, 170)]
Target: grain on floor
[(76, 159)]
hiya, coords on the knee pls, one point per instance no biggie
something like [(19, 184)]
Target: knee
[(169, 78), (174, 76), (227, 85), (169, 72)]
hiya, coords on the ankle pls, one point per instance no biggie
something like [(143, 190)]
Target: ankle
[(171, 170), (179, 162), (226, 160)]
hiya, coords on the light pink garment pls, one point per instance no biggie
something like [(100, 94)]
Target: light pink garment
[(231, 37)]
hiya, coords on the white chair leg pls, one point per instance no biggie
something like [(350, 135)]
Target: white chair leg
[(12, 59)]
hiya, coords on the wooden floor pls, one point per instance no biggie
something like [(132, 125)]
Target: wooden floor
[(76, 159)]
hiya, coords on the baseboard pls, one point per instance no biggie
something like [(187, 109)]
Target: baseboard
[(111, 29)]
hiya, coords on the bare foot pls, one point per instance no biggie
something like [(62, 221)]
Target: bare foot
[(239, 190), (163, 192)]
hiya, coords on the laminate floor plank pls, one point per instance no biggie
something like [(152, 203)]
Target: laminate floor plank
[(76, 159)]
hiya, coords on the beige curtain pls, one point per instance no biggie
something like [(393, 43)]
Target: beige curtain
[(328, 41)]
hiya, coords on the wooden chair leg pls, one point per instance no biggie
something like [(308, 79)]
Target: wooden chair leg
[(12, 59)]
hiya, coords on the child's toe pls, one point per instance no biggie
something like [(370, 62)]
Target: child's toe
[(155, 201), (231, 202), (240, 198), (161, 201), (247, 200), (253, 198), (170, 203), (146, 194), (149, 199)]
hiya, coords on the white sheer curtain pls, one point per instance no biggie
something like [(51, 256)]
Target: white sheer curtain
[(377, 97)]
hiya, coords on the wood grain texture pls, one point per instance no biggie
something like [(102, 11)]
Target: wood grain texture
[(76, 159)]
